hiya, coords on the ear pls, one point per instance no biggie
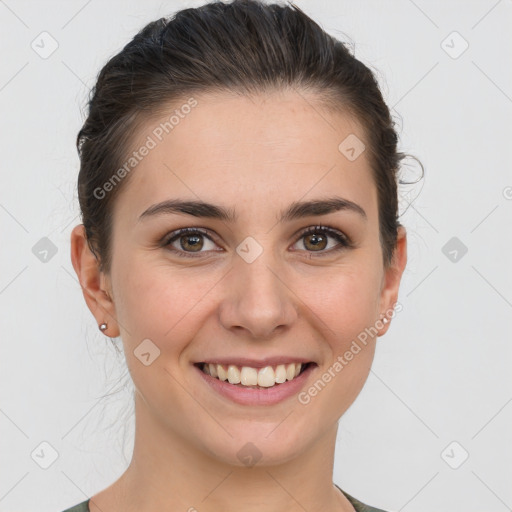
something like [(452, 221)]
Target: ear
[(96, 286), (392, 278)]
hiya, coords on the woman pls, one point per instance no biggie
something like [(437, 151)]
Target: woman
[(240, 233)]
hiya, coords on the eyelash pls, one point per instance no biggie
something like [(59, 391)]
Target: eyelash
[(343, 240)]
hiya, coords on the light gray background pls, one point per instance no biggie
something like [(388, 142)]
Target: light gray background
[(442, 372)]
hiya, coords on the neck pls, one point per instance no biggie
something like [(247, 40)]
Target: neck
[(167, 472)]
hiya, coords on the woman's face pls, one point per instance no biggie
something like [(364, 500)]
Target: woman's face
[(252, 290)]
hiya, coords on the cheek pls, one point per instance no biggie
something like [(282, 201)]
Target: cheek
[(346, 304), (159, 303), (345, 299), (156, 302)]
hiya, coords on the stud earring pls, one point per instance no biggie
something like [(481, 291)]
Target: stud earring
[(103, 327)]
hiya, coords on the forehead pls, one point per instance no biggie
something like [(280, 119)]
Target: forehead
[(262, 151)]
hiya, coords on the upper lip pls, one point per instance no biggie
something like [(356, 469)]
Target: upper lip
[(255, 363)]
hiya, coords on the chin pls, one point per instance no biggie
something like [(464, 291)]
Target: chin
[(259, 445)]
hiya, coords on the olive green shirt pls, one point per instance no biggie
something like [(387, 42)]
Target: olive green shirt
[(359, 507)]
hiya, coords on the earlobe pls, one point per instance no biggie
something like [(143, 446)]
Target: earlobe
[(392, 279), (94, 283)]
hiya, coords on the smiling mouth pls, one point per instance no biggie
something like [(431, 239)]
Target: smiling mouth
[(249, 377)]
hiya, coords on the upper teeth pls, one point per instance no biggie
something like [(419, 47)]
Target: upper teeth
[(248, 376)]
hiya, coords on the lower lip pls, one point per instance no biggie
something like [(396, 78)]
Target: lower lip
[(258, 396)]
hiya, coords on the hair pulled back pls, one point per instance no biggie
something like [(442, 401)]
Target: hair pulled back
[(244, 46)]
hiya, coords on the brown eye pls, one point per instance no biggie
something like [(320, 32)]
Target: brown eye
[(191, 242), (316, 239), (187, 241)]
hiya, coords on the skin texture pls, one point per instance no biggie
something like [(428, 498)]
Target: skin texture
[(256, 156)]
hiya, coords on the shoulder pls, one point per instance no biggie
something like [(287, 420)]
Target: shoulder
[(81, 507), (359, 506)]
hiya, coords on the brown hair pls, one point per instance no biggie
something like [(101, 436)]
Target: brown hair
[(244, 46)]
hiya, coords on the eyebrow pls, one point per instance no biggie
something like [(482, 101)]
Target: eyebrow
[(296, 210)]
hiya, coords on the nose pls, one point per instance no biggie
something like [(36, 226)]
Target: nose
[(257, 301)]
